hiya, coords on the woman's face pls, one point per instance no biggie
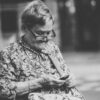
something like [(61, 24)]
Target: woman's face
[(44, 33)]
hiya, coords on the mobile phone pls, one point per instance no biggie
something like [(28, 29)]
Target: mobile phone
[(64, 77)]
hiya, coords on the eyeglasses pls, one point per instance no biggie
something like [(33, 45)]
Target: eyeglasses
[(42, 33)]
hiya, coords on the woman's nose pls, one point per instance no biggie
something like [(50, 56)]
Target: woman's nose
[(45, 34), (45, 39)]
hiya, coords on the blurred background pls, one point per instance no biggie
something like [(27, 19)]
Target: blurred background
[(77, 25)]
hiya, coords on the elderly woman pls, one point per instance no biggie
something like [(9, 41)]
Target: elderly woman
[(33, 68)]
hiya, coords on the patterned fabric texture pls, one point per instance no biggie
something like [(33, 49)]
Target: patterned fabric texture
[(18, 63)]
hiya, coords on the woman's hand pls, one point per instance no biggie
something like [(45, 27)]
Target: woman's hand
[(50, 81), (69, 80)]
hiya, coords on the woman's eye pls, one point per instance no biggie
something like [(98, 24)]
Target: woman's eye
[(43, 33), (39, 33), (48, 33)]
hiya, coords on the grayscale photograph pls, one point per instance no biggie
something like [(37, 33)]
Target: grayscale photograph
[(49, 49)]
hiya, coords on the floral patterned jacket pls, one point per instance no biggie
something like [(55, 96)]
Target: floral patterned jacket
[(19, 63)]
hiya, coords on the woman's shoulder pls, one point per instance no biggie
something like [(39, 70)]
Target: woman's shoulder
[(10, 48)]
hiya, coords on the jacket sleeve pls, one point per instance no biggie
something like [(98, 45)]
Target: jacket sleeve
[(7, 77)]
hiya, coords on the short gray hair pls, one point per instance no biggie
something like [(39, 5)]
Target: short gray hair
[(35, 13)]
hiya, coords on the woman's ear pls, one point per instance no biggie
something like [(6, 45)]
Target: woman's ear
[(24, 30)]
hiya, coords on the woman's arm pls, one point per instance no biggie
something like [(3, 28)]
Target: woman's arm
[(9, 80), (54, 53), (67, 74), (9, 84), (28, 86), (9, 89)]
